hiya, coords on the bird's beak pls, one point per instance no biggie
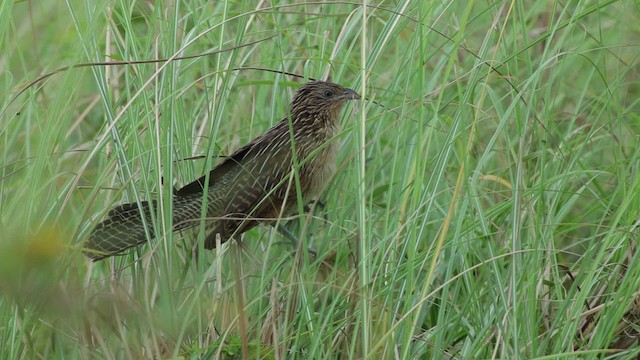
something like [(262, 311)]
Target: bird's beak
[(350, 95)]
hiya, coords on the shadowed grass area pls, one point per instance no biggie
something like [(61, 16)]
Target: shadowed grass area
[(485, 206)]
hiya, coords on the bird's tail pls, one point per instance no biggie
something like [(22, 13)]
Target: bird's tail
[(123, 228)]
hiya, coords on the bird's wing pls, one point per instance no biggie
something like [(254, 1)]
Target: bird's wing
[(231, 163), (218, 172)]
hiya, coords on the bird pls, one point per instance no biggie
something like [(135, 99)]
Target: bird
[(251, 186)]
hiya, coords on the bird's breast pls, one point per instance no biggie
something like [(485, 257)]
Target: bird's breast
[(323, 166)]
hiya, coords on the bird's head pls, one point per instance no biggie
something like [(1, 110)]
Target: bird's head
[(320, 99)]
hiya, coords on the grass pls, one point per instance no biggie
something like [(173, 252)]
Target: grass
[(486, 203)]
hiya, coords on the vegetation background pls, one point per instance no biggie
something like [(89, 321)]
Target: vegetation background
[(486, 205)]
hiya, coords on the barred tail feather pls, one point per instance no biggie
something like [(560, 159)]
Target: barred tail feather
[(122, 229)]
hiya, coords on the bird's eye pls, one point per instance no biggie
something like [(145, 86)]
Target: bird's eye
[(328, 93)]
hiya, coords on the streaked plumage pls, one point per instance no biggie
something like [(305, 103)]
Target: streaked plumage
[(252, 184)]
